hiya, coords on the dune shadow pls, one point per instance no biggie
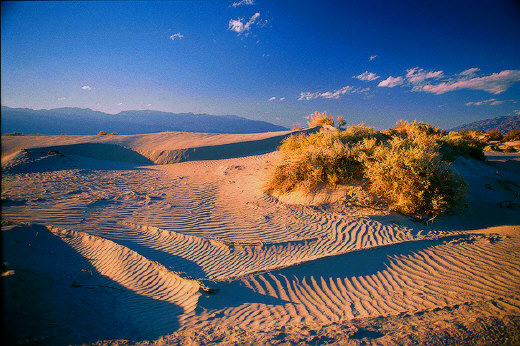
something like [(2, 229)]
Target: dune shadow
[(56, 296)]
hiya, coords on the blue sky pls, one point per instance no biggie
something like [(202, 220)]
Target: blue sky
[(443, 62)]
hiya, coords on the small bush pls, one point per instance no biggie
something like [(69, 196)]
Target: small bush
[(14, 134), (102, 133), (513, 135), (414, 179), (494, 135), (320, 119), (112, 134)]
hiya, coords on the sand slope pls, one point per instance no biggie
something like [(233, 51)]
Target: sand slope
[(138, 241)]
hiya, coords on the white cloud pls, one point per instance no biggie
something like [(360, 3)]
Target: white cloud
[(177, 35), (149, 105), (372, 57), (491, 102), (495, 83), (336, 94), (282, 98), (272, 99), (368, 76), (391, 82), (243, 2), (470, 72), (87, 87), (417, 75), (238, 26), (120, 104), (62, 98)]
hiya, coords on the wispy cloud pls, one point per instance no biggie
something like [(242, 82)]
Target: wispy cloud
[(372, 57), (87, 87), (243, 2), (120, 104), (417, 75), (282, 98), (62, 98), (177, 35), (336, 94), (391, 82), (239, 26), (470, 72), (272, 99), (495, 83), (368, 76), (490, 102)]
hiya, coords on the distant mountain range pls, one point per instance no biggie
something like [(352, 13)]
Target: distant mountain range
[(502, 124), (81, 121)]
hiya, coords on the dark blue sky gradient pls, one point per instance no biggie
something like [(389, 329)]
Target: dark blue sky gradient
[(123, 52)]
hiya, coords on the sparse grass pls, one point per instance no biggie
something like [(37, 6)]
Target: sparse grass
[(408, 166)]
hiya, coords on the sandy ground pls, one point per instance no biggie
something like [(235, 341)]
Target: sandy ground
[(102, 246)]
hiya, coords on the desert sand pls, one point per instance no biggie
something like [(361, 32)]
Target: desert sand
[(170, 238)]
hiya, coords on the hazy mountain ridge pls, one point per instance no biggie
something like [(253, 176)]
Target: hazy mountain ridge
[(503, 124), (85, 121)]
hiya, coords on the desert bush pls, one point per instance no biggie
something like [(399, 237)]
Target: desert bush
[(14, 134), (102, 133), (454, 145), (359, 132), (320, 119), (406, 166), (413, 178), (341, 121), (310, 160), (494, 135), (513, 135), (112, 134)]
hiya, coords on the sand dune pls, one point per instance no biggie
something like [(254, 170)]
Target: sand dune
[(139, 240)]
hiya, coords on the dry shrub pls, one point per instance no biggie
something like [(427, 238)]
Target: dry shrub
[(102, 133), (494, 135), (310, 160), (414, 178), (318, 119), (513, 135), (14, 134), (406, 166)]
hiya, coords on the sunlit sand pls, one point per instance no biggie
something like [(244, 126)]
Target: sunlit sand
[(170, 237)]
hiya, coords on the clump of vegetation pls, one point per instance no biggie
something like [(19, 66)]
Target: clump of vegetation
[(14, 134), (408, 165), (320, 119), (102, 133), (513, 135), (494, 135)]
